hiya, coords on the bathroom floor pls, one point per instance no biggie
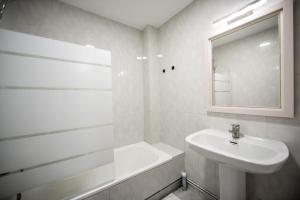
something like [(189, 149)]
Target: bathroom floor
[(190, 194)]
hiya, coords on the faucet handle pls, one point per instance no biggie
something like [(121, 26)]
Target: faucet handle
[(234, 126), (235, 130)]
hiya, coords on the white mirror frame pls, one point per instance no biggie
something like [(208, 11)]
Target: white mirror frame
[(285, 8)]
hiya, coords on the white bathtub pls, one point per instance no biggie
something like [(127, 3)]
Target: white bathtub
[(130, 161), (137, 158)]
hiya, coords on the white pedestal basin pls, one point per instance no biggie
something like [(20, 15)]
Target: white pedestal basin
[(250, 154)]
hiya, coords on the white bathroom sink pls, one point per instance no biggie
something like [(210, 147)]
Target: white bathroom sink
[(250, 154)]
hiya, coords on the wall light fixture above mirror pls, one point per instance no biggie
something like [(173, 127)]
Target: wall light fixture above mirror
[(251, 64)]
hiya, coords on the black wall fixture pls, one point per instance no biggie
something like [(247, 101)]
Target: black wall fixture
[(172, 68)]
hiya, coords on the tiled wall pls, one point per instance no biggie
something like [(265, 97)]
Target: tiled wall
[(184, 100), (53, 19), (151, 84)]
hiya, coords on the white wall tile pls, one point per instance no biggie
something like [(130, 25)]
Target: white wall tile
[(183, 40), (151, 76)]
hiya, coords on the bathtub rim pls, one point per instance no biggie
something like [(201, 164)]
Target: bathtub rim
[(163, 158)]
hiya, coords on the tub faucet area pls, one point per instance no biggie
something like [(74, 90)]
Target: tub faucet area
[(235, 131)]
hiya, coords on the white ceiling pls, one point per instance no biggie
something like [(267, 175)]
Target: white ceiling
[(135, 13)]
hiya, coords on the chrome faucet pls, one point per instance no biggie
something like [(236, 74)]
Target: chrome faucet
[(235, 131)]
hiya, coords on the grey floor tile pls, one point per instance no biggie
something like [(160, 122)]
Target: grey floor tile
[(190, 194), (171, 197)]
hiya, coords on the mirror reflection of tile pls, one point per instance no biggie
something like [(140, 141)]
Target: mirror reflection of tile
[(246, 66)]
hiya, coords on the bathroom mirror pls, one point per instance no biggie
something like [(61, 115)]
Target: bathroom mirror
[(251, 70)]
